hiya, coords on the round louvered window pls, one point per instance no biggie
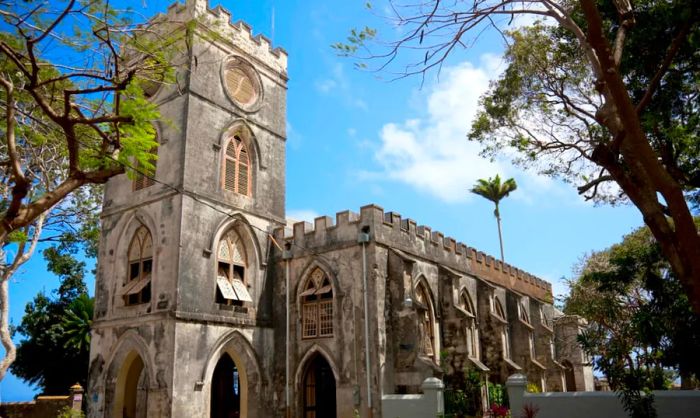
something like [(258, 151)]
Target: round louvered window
[(242, 84)]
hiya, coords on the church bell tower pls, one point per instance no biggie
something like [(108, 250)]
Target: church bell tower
[(182, 301)]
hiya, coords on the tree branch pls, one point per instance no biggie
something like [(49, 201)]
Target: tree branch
[(665, 64), (53, 25)]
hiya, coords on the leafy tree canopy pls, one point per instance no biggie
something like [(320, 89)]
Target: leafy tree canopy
[(75, 82), (54, 351), (642, 329)]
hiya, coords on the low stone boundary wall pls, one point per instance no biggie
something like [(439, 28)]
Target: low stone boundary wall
[(429, 404), (43, 406), (668, 403)]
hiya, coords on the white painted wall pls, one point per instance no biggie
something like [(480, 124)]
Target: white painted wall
[(668, 403), (428, 405)]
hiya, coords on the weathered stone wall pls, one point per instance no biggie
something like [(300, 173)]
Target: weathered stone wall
[(198, 349), (566, 330), (338, 254), (182, 332), (398, 258)]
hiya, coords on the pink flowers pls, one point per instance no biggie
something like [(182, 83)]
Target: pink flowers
[(499, 410)]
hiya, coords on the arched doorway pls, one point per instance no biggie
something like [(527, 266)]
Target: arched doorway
[(569, 376), (131, 389), (318, 391), (226, 389)]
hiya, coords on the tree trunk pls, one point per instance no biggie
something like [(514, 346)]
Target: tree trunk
[(7, 270), (640, 174), (5, 335), (500, 235), (500, 238)]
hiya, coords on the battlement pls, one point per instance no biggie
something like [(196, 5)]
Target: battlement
[(390, 229), (239, 33)]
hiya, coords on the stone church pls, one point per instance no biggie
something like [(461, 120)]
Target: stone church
[(209, 305)]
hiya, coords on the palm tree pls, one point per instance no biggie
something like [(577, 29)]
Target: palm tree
[(77, 322), (493, 190)]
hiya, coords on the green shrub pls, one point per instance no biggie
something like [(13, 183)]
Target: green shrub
[(68, 412)]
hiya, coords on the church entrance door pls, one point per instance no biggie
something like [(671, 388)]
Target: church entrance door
[(131, 390), (226, 389), (319, 389)]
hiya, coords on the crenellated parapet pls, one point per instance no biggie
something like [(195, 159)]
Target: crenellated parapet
[(218, 21), (389, 229)]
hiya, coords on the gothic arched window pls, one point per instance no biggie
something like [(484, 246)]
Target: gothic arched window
[(237, 170), (498, 308), (505, 332), (137, 288), (471, 333), (426, 320), (523, 314), (231, 279), (317, 306), (530, 336)]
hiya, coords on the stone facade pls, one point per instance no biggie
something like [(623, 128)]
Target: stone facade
[(207, 304)]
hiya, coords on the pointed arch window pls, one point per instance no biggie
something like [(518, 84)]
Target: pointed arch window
[(525, 318), (498, 309), (237, 171), (544, 319), (317, 306), (471, 333), (137, 288), (523, 314), (505, 331), (231, 275), (426, 320)]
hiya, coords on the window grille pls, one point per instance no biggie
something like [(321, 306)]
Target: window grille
[(236, 170), (317, 306), (310, 317), (325, 318)]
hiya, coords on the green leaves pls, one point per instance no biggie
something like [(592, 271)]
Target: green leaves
[(17, 236), (55, 330), (493, 190), (641, 325), (357, 39), (77, 322), (138, 139)]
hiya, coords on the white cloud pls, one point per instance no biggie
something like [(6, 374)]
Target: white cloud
[(339, 85), (325, 86), (432, 153), (294, 138), (299, 215)]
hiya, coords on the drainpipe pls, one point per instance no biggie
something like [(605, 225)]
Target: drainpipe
[(287, 255), (363, 238)]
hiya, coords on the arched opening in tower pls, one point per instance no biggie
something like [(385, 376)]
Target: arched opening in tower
[(226, 389), (132, 391), (319, 389)]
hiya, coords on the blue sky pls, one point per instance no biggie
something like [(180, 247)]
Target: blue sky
[(356, 138)]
